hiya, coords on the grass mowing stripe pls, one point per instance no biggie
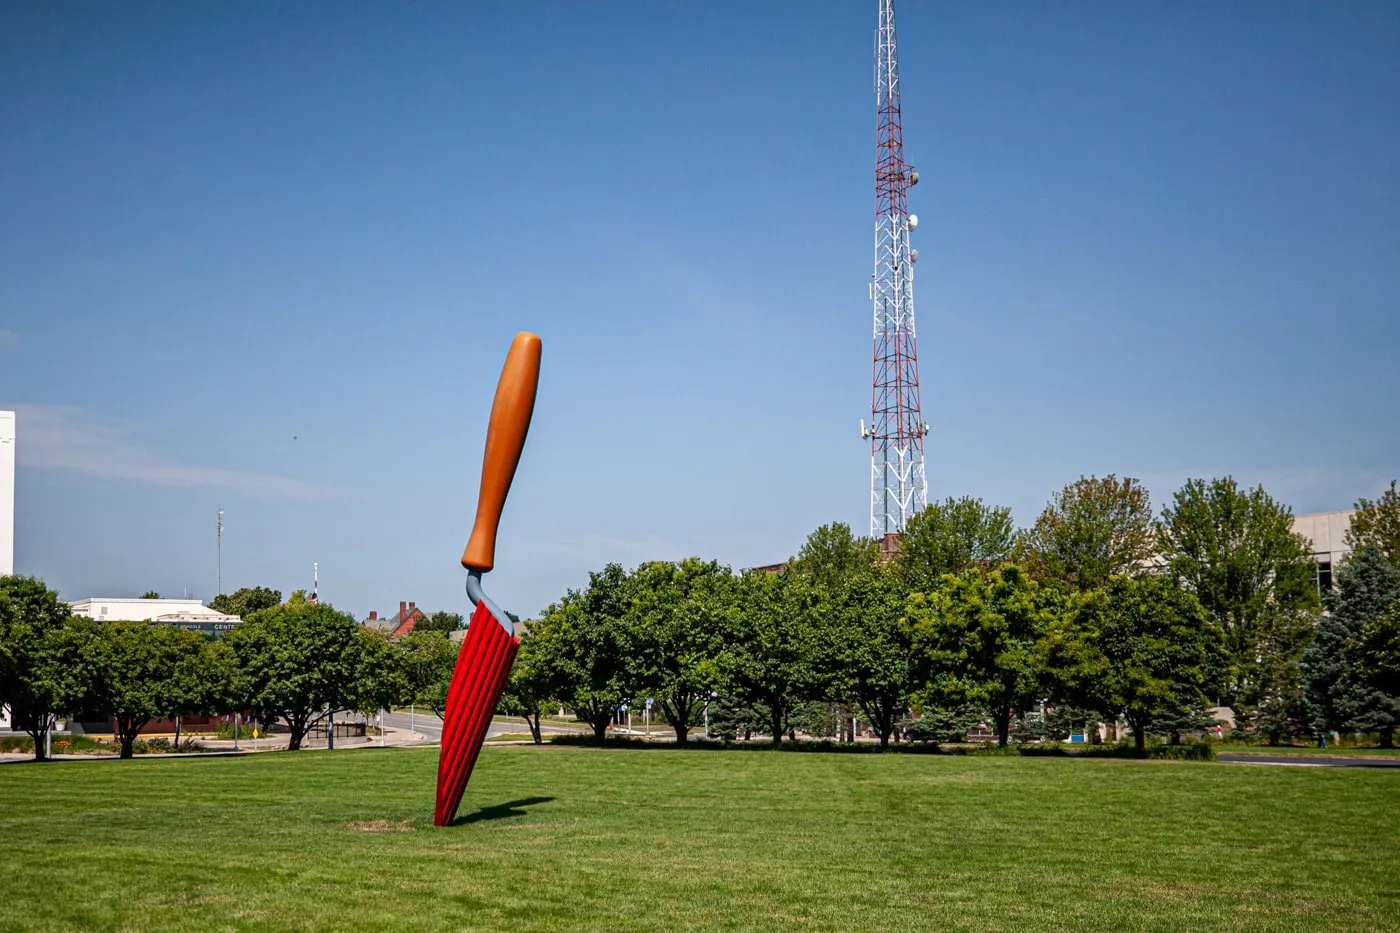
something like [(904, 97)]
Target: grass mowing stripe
[(649, 839)]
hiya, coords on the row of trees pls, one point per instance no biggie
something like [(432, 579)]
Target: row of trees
[(1100, 609), (295, 662), (1100, 605)]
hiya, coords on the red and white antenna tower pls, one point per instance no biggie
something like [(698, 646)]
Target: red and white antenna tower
[(898, 489)]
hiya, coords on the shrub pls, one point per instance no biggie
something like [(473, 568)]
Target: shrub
[(1186, 751)]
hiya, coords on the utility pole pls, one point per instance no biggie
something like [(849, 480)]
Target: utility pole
[(898, 487)]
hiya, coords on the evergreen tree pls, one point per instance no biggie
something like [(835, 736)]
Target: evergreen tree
[(1338, 697)]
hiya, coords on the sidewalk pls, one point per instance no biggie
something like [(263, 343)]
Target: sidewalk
[(223, 748)]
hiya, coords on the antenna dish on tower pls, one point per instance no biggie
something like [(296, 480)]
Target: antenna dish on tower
[(913, 221)]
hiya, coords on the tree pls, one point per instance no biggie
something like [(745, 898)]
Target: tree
[(444, 622), (865, 652), (976, 638), (1377, 524), (1235, 549), (769, 663), (732, 717), (1145, 650), (833, 554), (44, 671), (949, 536), (1375, 652), (583, 647), (680, 617), (302, 662), (246, 600), (528, 691), (1338, 698), (427, 662), (1092, 530), (146, 670), (150, 594)]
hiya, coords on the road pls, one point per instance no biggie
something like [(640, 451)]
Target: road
[(1309, 761), (429, 726)]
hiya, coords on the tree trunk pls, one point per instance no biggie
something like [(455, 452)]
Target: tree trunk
[(38, 736), (1139, 738), (534, 722), (128, 728), (1176, 737), (678, 711), (1003, 721), (297, 727), (1388, 737), (600, 727), (775, 724)]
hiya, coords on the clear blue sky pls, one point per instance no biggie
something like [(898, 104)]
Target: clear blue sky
[(268, 257)]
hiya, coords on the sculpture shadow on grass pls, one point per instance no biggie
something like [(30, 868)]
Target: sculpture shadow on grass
[(501, 811)]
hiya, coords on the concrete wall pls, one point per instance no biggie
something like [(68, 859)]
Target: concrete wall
[(7, 493), (1326, 531)]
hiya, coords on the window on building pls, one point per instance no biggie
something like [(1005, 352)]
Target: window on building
[(1324, 576)]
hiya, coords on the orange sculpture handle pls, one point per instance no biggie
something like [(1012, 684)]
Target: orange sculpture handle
[(505, 437)]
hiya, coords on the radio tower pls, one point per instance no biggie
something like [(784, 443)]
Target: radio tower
[(898, 489)]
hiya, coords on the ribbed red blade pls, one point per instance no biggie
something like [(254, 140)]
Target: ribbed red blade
[(477, 681)]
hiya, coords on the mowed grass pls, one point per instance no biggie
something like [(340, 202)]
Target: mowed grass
[(664, 839)]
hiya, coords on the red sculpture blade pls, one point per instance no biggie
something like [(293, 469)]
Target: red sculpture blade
[(478, 678)]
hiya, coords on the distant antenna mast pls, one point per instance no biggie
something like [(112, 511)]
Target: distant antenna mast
[(219, 590), (898, 488), (315, 582)]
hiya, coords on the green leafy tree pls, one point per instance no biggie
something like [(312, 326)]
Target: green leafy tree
[(864, 650), (584, 648), (1235, 549), (1092, 530), (146, 671), (302, 662), (1375, 652), (444, 622), (150, 594), (528, 692), (1338, 698), (246, 600), (384, 677), (44, 652), (1270, 701), (977, 638), (949, 536), (427, 660), (833, 554), (1377, 524), (770, 662), (680, 617), (1145, 650)]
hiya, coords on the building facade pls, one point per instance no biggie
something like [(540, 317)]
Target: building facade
[(189, 614), (7, 493), (1327, 532)]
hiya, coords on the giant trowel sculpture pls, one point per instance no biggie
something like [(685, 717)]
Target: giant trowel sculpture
[(490, 645)]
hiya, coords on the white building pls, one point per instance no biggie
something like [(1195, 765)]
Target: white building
[(7, 493), (1327, 532), (186, 613)]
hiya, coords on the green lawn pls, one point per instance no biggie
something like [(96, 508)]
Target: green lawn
[(663, 839)]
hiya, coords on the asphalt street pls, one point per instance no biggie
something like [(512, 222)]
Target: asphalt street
[(1309, 761), (426, 724)]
